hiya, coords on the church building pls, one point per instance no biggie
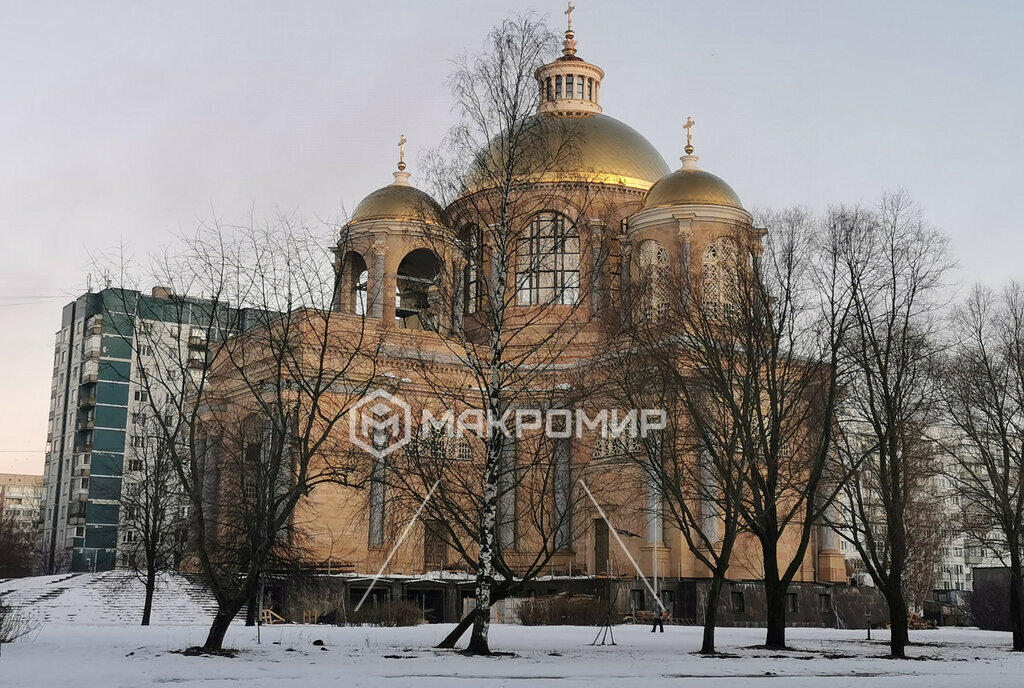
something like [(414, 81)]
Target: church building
[(591, 231)]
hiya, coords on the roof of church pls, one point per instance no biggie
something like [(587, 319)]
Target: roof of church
[(399, 200), (592, 148), (690, 185)]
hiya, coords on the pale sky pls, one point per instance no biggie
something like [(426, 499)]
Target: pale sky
[(126, 122)]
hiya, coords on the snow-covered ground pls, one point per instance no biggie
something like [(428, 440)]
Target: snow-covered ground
[(130, 656), (87, 636)]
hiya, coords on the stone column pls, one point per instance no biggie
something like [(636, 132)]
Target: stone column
[(340, 302), (685, 238), (755, 259), (458, 300), (375, 287), (596, 267), (831, 562), (625, 283), (709, 498), (388, 299)]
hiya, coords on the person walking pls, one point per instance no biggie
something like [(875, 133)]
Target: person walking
[(657, 613)]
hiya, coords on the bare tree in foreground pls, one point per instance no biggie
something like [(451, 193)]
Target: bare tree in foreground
[(894, 266), (521, 246), (766, 349), (18, 547), (154, 513), (694, 465), (983, 389), (267, 373)]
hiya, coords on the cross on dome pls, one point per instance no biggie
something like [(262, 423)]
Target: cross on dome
[(689, 135), (401, 152)]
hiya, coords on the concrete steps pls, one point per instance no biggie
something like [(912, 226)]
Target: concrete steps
[(110, 597)]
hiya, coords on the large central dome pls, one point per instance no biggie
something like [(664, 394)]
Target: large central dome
[(593, 148), (569, 140)]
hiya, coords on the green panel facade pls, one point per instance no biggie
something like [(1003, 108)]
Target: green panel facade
[(105, 488), (101, 536), (100, 513), (108, 440), (106, 464), (118, 323), (111, 417), (115, 371), (110, 393), (116, 347)]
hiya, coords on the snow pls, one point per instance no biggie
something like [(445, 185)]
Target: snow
[(112, 597), (87, 636), (120, 655)]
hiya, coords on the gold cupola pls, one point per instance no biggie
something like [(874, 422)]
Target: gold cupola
[(569, 86), (576, 142), (690, 185), (399, 200)]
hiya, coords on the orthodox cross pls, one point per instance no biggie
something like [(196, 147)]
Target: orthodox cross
[(689, 134), (401, 151), (568, 13)]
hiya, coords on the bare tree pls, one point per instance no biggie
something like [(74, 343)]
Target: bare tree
[(520, 232), (693, 466), (983, 390), (18, 547), (894, 266), (246, 383), (14, 623), (154, 512), (765, 347)]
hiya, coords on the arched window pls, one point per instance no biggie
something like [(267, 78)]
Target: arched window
[(720, 277), (472, 246), (653, 260), (352, 284), (548, 262), (416, 290)]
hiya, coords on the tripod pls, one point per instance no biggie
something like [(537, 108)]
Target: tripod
[(605, 635)]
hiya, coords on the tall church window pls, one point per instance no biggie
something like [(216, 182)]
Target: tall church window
[(568, 86), (548, 90), (562, 483), (548, 262), (720, 277), (579, 87), (472, 246), (505, 531), (558, 87), (653, 260), (590, 89), (377, 477)]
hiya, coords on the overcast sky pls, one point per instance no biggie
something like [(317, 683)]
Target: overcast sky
[(129, 122)]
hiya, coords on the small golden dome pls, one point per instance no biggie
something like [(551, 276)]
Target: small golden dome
[(690, 186), (398, 201), (592, 148)]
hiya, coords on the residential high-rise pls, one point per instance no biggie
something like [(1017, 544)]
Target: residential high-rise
[(108, 343), (20, 496)]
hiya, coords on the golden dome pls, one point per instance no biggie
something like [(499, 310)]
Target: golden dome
[(594, 148), (399, 200), (690, 186)]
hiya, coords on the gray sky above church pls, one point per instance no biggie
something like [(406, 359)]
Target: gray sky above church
[(126, 122)]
